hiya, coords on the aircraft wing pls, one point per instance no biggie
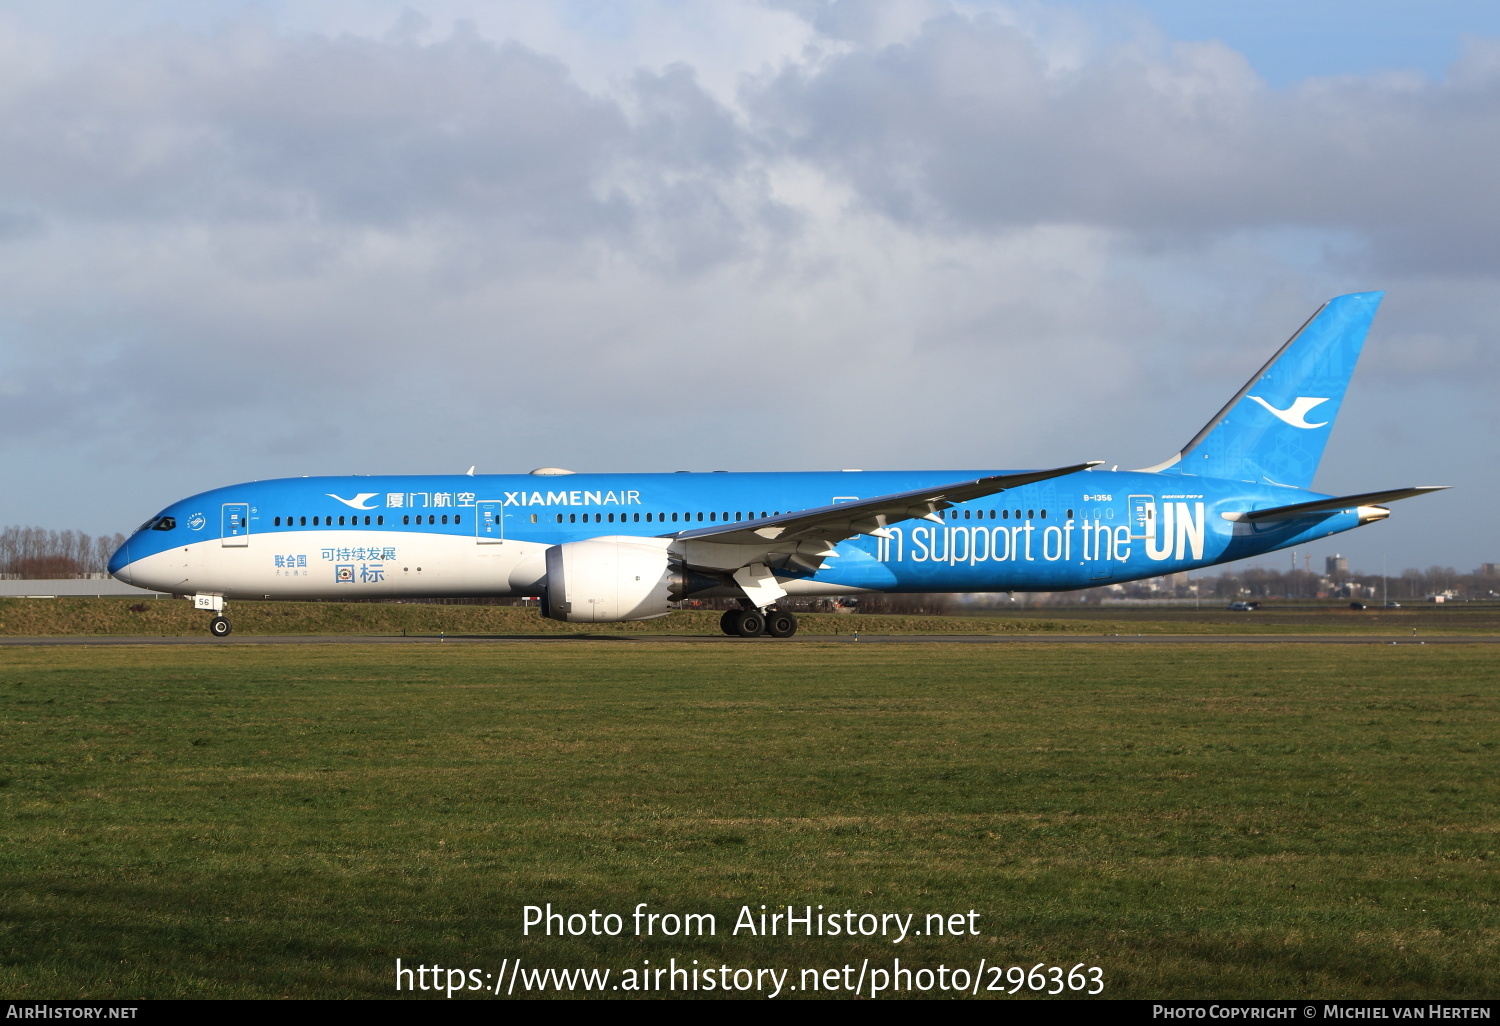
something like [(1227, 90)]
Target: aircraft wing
[(800, 541), (1333, 505)]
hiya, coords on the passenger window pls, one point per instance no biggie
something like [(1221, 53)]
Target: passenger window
[(458, 518), (637, 518), (966, 514), (1070, 514), (572, 518), (380, 521), (674, 518), (1005, 514), (303, 521), (611, 518), (278, 522), (164, 524), (700, 517), (1030, 513), (367, 521), (559, 518), (432, 518), (711, 516), (341, 522), (445, 518), (406, 520)]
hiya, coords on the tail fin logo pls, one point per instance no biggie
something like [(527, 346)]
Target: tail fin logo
[(1295, 414)]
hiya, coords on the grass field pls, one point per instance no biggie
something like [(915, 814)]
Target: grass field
[(1198, 821), (167, 617)]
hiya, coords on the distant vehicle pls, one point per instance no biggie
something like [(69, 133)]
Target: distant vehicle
[(1243, 607), (1393, 605), (1357, 605)]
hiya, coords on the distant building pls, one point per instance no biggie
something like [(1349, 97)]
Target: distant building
[(1489, 569), (1336, 566)]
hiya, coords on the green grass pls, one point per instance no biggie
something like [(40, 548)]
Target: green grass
[(166, 617), (236, 821), (175, 618)]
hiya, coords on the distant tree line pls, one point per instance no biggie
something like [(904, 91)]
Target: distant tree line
[(35, 553)]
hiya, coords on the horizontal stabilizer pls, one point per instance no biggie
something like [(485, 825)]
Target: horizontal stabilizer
[(1332, 505)]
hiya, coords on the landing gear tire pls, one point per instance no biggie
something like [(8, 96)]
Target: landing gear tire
[(728, 620), (220, 627), (747, 623), (780, 625)]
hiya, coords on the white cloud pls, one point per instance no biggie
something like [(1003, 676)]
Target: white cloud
[(749, 237)]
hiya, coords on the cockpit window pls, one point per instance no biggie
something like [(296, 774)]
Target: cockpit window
[(148, 524), (164, 524)]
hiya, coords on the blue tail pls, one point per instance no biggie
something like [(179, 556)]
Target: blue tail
[(1274, 430)]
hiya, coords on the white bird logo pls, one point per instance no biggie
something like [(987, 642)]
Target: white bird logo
[(358, 502), (1295, 414)]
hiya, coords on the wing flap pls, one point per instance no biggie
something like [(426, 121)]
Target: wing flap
[(803, 539), (870, 516)]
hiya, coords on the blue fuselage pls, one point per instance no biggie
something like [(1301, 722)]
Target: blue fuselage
[(369, 537)]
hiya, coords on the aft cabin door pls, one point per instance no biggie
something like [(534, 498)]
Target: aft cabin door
[(1143, 516), (236, 523), (489, 524)]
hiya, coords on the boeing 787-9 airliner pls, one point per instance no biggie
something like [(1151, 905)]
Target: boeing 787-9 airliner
[(601, 548)]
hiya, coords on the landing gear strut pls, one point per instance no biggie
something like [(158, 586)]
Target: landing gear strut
[(220, 626)]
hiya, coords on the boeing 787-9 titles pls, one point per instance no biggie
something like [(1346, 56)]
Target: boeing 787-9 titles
[(601, 548)]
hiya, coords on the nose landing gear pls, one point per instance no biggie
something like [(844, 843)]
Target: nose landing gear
[(219, 626)]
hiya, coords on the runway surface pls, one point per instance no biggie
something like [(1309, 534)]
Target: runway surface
[(836, 639)]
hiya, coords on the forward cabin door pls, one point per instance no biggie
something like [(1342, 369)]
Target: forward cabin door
[(489, 523), (236, 523)]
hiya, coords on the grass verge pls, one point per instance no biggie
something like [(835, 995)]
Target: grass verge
[(1218, 821)]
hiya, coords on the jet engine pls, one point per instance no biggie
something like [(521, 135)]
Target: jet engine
[(606, 580)]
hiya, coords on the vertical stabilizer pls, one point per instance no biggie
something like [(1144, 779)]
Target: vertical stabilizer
[(1273, 431)]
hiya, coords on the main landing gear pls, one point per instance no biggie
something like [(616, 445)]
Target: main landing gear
[(752, 623), (220, 627)]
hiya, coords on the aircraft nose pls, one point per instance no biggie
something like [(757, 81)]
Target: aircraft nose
[(119, 561)]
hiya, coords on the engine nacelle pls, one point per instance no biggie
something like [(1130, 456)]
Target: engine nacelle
[(606, 580)]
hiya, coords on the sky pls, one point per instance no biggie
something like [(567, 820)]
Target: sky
[(253, 240)]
